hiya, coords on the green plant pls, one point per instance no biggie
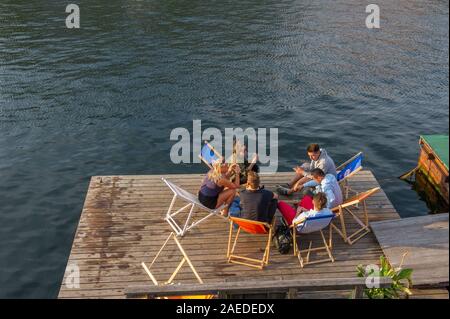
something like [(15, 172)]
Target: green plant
[(401, 280)]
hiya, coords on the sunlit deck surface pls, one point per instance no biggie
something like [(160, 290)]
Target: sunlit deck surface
[(122, 224)]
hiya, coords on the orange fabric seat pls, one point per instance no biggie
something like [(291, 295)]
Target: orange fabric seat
[(254, 228), (249, 226)]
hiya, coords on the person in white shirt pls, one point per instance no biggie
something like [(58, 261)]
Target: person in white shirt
[(291, 215)]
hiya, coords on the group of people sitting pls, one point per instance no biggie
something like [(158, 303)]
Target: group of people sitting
[(315, 180)]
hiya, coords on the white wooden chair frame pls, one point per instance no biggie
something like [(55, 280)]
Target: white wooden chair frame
[(344, 182), (328, 246), (247, 261), (184, 260), (180, 230), (345, 208)]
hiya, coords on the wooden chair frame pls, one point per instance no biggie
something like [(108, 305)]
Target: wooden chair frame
[(328, 246), (180, 230), (345, 208), (344, 182), (184, 260), (243, 260)]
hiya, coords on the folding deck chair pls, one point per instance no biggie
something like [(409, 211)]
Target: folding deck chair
[(209, 155), (347, 170), (311, 225), (346, 208), (251, 227), (178, 192), (184, 260)]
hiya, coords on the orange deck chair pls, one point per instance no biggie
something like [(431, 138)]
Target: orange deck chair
[(350, 206), (251, 227)]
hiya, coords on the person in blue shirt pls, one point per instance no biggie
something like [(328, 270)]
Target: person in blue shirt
[(328, 184)]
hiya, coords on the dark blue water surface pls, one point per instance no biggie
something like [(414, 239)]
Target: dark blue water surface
[(103, 99)]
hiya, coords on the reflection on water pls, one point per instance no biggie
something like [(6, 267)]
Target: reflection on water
[(103, 99), (428, 193)]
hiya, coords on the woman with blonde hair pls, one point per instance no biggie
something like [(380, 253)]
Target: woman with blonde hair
[(217, 188)]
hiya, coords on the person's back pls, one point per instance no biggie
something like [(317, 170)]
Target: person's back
[(331, 185), (257, 204)]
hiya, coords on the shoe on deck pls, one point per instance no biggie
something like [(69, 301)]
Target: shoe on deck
[(283, 190)]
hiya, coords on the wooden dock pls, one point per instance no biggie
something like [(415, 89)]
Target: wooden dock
[(122, 224), (424, 239)]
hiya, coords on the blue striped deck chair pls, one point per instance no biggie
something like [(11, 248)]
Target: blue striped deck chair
[(347, 170), (308, 226), (209, 155)]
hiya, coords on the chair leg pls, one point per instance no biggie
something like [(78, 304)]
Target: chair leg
[(364, 230), (172, 277), (366, 214), (300, 258), (309, 251), (230, 235), (171, 205), (331, 237), (186, 225), (294, 241), (343, 231), (269, 243), (327, 247), (234, 244)]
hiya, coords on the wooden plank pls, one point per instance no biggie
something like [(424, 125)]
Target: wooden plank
[(249, 286), (426, 241), (429, 294)]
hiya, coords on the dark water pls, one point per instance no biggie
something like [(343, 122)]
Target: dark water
[(103, 99)]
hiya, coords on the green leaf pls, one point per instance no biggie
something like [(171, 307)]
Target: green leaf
[(404, 274)]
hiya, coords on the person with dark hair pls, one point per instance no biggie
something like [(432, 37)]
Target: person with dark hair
[(257, 203), (292, 215), (328, 184), (319, 159)]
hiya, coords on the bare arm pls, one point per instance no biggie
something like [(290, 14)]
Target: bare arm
[(225, 182)]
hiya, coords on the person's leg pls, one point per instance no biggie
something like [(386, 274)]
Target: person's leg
[(296, 178), (226, 197), (287, 211), (290, 191), (307, 202), (301, 181)]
